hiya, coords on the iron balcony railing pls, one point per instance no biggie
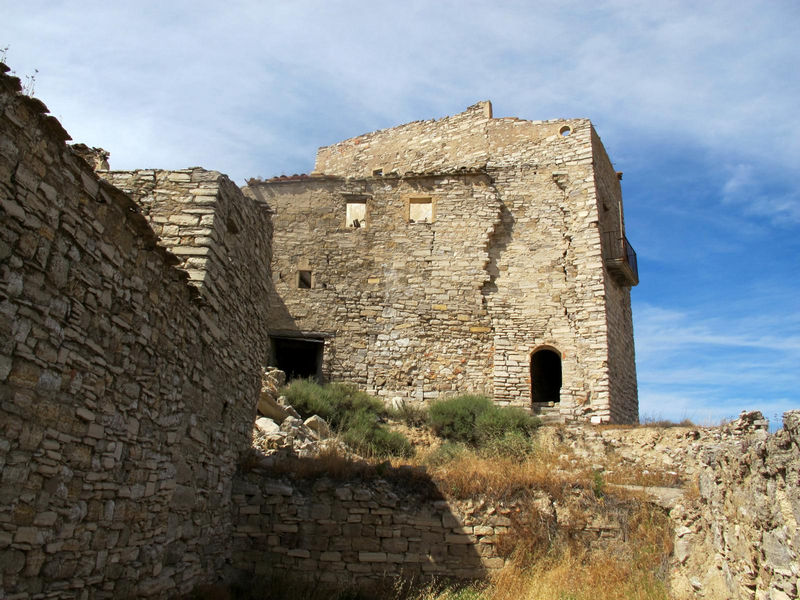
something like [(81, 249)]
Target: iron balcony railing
[(620, 258)]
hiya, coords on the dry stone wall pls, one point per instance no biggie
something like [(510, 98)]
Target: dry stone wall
[(548, 291), (125, 397), (735, 515), (516, 255), (358, 534), (621, 358), (222, 240), (365, 533)]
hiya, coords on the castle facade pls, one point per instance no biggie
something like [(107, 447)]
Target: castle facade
[(467, 254)]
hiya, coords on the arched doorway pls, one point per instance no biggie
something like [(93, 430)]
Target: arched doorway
[(545, 376)]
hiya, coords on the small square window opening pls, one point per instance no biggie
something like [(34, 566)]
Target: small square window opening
[(304, 280), (420, 210), (356, 215)]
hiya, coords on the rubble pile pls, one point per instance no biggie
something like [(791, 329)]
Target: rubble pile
[(281, 432)]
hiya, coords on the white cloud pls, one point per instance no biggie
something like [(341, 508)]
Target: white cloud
[(693, 364), (714, 74), (744, 190)]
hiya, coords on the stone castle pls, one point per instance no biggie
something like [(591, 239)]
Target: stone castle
[(137, 313), (138, 310), (464, 254)]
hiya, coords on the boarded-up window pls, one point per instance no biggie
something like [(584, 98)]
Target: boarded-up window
[(356, 213), (420, 210)]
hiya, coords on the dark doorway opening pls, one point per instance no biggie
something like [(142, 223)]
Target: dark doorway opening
[(545, 376), (299, 358)]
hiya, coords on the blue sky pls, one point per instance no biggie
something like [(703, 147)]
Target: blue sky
[(699, 106)]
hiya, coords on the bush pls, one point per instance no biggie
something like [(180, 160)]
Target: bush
[(352, 414), (413, 415), (511, 443), (475, 420), (447, 452), (363, 432), (496, 422), (455, 418), (334, 402)]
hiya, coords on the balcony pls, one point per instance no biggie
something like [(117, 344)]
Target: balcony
[(620, 258)]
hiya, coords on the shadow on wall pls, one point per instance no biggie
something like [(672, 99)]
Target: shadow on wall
[(498, 242), (342, 525), (298, 353)]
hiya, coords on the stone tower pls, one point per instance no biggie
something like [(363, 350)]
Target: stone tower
[(467, 254)]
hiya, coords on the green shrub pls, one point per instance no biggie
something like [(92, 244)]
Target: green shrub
[(334, 402), (352, 414), (308, 398), (511, 443), (454, 418), (363, 432), (477, 421), (413, 415), (498, 421), (598, 484)]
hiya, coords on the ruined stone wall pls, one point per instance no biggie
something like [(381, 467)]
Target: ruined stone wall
[(470, 139), (735, 510), (357, 534), (122, 411), (401, 301), (538, 265), (418, 147), (739, 538), (221, 238), (361, 533)]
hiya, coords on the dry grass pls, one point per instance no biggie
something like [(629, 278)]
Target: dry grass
[(331, 463), (691, 491), (624, 472), (551, 560), (470, 475), (559, 567), (575, 576)]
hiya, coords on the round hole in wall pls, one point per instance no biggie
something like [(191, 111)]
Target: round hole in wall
[(565, 130)]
